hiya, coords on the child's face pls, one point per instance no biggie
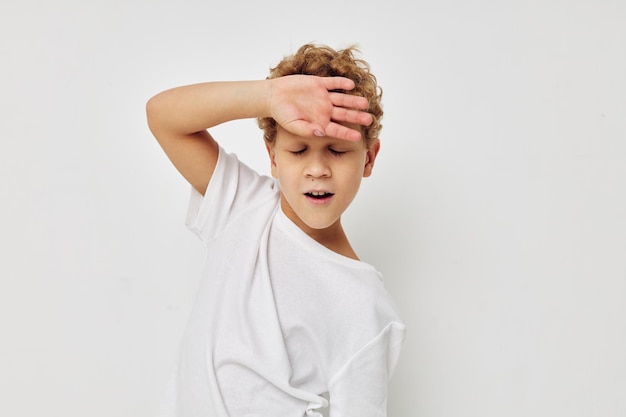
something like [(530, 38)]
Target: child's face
[(319, 177)]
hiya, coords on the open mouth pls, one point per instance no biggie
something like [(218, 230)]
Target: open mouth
[(318, 195)]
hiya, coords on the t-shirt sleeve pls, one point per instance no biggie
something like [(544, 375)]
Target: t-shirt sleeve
[(360, 387), (233, 189)]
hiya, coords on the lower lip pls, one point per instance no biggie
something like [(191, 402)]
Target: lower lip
[(319, 201)]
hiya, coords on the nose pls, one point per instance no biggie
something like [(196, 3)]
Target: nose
[(317, 166)]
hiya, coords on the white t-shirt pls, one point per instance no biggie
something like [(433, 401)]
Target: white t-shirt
[(280, 323)]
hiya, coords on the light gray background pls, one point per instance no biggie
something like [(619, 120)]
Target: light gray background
[(496, 212)]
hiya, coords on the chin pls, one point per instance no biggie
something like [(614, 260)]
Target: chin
[(320, 224)]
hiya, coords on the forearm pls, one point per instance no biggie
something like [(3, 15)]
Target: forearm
[(304, 105), (194, 108)]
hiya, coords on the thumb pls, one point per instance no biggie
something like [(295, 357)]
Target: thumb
[(304, 128), (319, 132)]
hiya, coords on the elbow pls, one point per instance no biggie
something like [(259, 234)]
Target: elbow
[(152, 110), (156, 114)]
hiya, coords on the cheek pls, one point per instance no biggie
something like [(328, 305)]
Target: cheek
[(351, 180), (357, 169), (287, 177), (279, 169)]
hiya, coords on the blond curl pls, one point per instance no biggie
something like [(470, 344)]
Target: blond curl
[(323, 61)]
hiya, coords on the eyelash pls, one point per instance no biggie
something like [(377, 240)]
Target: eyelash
[(332, 151)]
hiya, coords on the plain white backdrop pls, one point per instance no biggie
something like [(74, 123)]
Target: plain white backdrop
[(496, 211)]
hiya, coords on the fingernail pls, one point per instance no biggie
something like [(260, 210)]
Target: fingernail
[(318, 133)]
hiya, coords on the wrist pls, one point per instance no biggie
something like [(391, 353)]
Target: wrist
[(270, 86)]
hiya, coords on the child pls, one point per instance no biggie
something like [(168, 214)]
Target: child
[(287, 320)]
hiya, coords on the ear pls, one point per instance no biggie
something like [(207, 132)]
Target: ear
[(272, 155), (370, 156)]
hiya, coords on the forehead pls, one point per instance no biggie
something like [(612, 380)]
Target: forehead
[(286, 138)]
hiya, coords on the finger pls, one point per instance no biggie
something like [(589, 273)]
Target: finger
[(303, 128), (358, 117), (338, 131), (349, 101), (338, 83)]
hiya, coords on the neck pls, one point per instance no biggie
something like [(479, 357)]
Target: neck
[(333, 237)]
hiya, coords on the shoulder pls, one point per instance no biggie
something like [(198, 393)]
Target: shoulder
[(235, 180), (234, 190), (363, 309), (365, 287)]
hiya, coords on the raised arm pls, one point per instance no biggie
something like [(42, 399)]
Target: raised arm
[(305, 105)]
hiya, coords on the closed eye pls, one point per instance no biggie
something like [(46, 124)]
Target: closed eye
[(336, 152), (333, 152)]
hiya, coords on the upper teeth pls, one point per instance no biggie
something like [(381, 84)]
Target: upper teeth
[(318, 193)]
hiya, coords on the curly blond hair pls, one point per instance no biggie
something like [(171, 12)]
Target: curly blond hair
[(323, 61)]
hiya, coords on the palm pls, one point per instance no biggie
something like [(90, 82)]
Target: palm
[(305, 105)]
